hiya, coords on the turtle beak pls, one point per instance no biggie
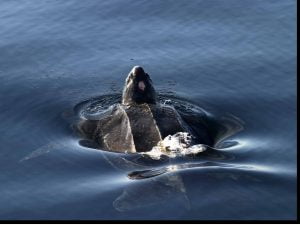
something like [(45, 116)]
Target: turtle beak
[(141, 85)]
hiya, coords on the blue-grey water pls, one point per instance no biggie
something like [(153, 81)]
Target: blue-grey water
[(233, 57)]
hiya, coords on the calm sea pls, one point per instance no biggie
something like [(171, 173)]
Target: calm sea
[(233, 57)]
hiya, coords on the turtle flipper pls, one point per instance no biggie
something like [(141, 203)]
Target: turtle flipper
[(114, 132)]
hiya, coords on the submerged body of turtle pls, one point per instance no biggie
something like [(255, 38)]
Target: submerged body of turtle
[(142, 122)]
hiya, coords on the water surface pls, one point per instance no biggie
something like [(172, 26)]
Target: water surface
[(234, 57)]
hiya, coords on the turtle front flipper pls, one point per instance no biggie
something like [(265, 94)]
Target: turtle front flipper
[(111, 132), (114, 132), (143, 126)]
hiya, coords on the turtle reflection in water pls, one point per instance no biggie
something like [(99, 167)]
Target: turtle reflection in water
[(139, 124)]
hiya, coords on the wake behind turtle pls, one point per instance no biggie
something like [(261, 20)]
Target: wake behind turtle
[(140, 122)]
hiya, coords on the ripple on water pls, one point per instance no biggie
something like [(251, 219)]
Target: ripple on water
[(221, 128)]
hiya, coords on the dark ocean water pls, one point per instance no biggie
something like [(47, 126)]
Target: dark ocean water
[(233, 57)]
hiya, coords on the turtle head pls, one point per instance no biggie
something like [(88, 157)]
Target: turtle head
[(138, 88)]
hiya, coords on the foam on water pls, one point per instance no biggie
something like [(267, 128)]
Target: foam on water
[(179, 144)]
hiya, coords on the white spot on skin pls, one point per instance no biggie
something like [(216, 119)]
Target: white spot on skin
[(141, 85)]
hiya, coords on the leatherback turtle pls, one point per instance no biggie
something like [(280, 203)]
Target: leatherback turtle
[(139, 122)]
